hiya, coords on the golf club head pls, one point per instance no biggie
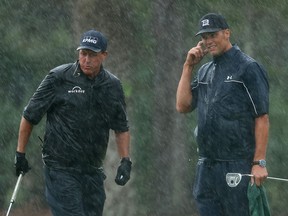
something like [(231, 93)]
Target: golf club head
[(233, 179)]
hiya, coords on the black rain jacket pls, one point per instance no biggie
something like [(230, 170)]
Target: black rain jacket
[(80, 112)]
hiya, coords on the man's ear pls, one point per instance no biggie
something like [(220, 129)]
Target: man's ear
[(105, 54), (227, 33)]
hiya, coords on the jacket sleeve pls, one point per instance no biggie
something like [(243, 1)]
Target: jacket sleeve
[(119, 120), (194, 92), (256, 82), (41, 100)]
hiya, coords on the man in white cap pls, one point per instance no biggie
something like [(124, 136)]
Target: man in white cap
[(82, 101)]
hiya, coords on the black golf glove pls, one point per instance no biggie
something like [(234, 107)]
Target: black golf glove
[(21, 163), (123, 171)]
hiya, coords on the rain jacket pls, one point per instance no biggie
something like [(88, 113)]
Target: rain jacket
[(229, 93), (258, 204), (80, 112)]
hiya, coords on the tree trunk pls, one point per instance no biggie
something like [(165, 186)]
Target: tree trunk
[(171, 160)]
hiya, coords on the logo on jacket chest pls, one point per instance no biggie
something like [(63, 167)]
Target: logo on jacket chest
[(229, 77), (76, 90)]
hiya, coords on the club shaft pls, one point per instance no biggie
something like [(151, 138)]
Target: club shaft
[(15, 193), (279, 179), (8, 212), (16, 188), (269, 177)]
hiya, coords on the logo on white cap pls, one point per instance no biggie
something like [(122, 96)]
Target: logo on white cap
[(205, 22)]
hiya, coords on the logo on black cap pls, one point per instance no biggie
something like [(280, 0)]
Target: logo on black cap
[(205, 22)]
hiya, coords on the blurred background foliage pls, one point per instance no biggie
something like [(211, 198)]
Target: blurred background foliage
[(148, 42)]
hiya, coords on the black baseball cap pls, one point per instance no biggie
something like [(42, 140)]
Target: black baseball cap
[(93, 40), (212, 22)]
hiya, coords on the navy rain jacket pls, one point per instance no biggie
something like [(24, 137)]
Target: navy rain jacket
[(229, 93)]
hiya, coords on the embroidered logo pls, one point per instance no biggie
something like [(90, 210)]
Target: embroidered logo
[(76, 90), (93, 40), (205, 22), (229, 78)]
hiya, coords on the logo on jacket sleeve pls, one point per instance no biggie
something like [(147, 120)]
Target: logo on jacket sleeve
[(76, 90)]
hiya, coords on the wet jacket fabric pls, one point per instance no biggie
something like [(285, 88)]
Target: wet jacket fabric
[(80, 112), (229, 93)]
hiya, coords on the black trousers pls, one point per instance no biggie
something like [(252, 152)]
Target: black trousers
[(213, 195), (74, 193)]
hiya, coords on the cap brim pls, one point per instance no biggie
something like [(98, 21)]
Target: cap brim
[(208, 31), (89, 48)]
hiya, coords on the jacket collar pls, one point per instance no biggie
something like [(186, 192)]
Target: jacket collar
[(227, 55)]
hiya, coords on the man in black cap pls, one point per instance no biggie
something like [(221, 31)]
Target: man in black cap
[(231, 97), (82, 101)]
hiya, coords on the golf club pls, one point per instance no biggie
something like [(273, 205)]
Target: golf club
[(233, 179), (15, 192)]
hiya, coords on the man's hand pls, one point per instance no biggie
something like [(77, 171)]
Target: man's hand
[(21, 163), (123, 171), (259, 175), (195, 54)]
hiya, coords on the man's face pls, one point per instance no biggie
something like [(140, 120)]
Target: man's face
[(217, 42), (90, 62)]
